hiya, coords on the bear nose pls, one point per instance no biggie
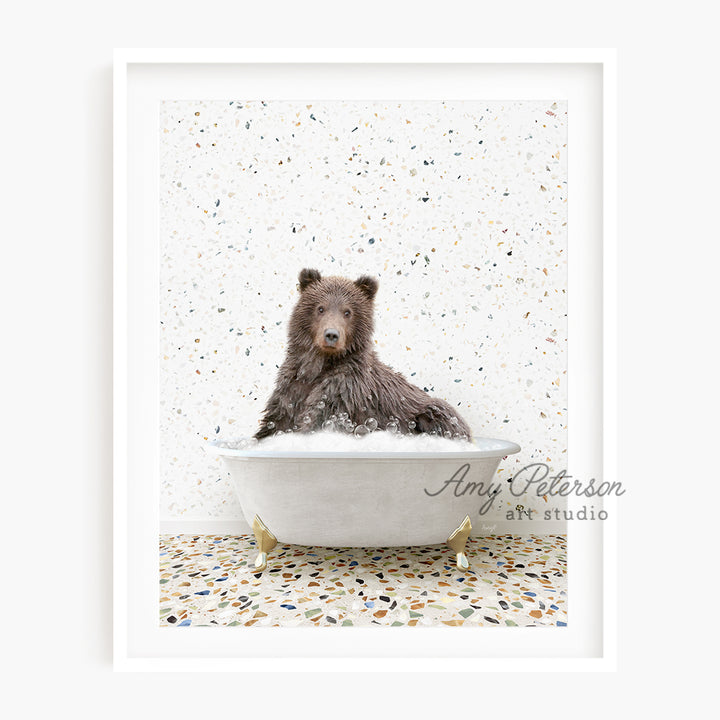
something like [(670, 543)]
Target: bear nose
[(331, 336)]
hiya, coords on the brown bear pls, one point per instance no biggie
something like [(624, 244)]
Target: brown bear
[(332, 378)]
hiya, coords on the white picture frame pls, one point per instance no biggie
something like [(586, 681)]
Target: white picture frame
[(586, 78)]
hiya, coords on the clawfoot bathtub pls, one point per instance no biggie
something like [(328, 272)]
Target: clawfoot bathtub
[(361, 498)]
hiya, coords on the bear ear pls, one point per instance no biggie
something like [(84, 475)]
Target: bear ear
[(307, 277), (368, 285)]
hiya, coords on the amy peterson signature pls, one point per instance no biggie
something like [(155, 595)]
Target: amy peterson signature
[(532, 478)]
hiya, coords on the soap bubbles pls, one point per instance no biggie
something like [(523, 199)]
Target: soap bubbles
[(309, 421)]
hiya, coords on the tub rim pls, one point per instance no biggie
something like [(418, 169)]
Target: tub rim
[(508, 448)]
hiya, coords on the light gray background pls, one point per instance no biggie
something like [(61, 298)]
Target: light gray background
[(57, 306)]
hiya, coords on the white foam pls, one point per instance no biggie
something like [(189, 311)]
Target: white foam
[(378, 441)]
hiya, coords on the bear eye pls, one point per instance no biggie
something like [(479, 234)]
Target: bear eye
[(347, 313), (321, 309)]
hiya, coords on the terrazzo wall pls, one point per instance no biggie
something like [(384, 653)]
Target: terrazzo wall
[(460, 210)]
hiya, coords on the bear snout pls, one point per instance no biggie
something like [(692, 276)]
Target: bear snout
[(331, 337)]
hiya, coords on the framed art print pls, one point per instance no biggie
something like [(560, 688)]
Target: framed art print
[(364, 360)]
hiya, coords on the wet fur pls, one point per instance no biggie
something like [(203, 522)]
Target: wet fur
[(349, 379)]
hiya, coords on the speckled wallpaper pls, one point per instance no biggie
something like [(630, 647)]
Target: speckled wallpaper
[(460, 210)]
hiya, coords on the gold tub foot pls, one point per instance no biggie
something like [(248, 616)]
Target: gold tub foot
[(266, 541), (456, 542)]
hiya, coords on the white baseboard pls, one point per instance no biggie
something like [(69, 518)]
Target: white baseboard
[(208, 526), (205, 527)]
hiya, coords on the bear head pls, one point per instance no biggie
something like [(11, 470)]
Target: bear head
[(334, 315)]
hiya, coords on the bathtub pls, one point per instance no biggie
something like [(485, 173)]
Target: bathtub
[(363, 499)]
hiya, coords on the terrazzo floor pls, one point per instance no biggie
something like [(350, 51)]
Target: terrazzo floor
[(513, 580)]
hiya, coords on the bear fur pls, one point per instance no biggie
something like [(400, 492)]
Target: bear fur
[(332, 373)]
